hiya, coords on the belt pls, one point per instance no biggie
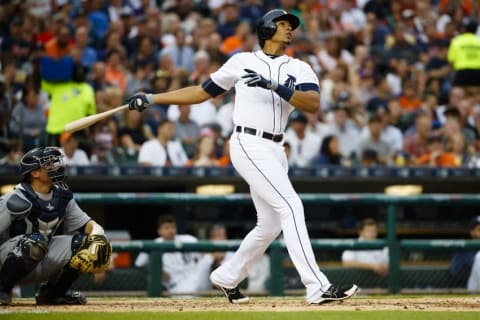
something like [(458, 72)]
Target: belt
[(265, 135)]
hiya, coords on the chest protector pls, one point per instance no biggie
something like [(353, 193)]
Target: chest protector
[(46, 216)]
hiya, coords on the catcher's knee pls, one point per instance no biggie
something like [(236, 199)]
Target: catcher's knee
[(31, 248)]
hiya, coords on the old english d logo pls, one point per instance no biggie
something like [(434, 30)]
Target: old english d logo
[(290, 82)]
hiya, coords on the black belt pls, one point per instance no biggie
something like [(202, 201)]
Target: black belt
[(265, 135)]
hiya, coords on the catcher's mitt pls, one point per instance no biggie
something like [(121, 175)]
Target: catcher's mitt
[(93, 256)]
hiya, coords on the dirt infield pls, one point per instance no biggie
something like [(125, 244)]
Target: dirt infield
[(364, 303)]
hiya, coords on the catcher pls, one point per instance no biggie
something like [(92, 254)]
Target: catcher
[(45, 238)]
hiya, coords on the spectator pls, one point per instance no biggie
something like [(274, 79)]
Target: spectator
[(235, 43), (329, 152), (187, 130), (204, 152), (105, 132), (409, 99), (70, 101), (86, 54), (392, 135), (375, 260), (346, 132), (14, 152), (115, 73), (467, 263), (133, 132), (315, 125), (28, 119), (333, 54), (180, 52), (202, 68), (97, 78), (464, 55), (73, 155), (60, 45), (183, 272), (418, 143), (437, 156), (139, 80), (163, 151), (373, 141), (229, 18), (304, 145)]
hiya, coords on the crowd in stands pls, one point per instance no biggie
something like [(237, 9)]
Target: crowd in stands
[(394, 90)]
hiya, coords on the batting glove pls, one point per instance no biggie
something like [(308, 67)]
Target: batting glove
[(139, 101), (254, 79)]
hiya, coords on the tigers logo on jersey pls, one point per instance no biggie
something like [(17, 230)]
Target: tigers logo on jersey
[(290, 82)]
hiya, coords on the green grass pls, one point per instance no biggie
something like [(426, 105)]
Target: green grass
[(323, 315)]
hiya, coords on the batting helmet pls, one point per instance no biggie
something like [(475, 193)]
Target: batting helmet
[(48, 158), (266, 26)]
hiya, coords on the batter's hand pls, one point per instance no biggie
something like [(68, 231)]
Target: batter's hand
[(254, 79), (139, 101)]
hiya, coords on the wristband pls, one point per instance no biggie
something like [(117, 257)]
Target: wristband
[(284, 92), (149, 98)]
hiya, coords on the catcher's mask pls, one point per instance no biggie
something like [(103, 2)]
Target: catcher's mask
[(48, 158), (266, 26)]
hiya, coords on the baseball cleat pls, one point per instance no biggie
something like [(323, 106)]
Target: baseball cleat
[(233, 295), (336, 293), (70, 297)]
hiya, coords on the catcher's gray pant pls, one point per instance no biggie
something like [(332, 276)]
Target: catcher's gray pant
[(58, 255)]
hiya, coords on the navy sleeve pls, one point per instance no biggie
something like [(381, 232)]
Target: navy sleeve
[(307, 87), (211, 88)]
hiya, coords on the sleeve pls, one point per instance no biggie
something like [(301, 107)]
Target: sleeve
[(75, 217), (307, 78), (228, 74), (142, 260)]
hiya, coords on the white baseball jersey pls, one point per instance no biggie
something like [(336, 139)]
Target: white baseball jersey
[(153, 153), (263, 164), (188, 271), (256, 107)]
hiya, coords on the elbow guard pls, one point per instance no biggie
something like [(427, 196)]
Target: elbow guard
[(18, 207)]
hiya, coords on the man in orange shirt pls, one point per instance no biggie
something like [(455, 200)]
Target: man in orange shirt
[(60, 45), (437, 156)]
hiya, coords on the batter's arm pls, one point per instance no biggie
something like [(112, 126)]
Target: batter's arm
[(188, 95), (308, 101)]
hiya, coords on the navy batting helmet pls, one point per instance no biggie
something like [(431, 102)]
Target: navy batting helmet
[(48, 158), (266, 26)]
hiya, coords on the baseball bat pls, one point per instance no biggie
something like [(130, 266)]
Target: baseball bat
[(90, 120)]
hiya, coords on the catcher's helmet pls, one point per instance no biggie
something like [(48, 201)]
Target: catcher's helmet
[(266, 26), (48, 158)]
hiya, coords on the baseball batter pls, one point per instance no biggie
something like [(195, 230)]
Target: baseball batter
[(45, 236), (268, 86)]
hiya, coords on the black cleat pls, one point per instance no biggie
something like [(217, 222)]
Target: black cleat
[(5, 298), (70, 297), (233, 295), (336, 293)]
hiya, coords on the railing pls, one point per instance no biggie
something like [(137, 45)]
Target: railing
[(277, 247)]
